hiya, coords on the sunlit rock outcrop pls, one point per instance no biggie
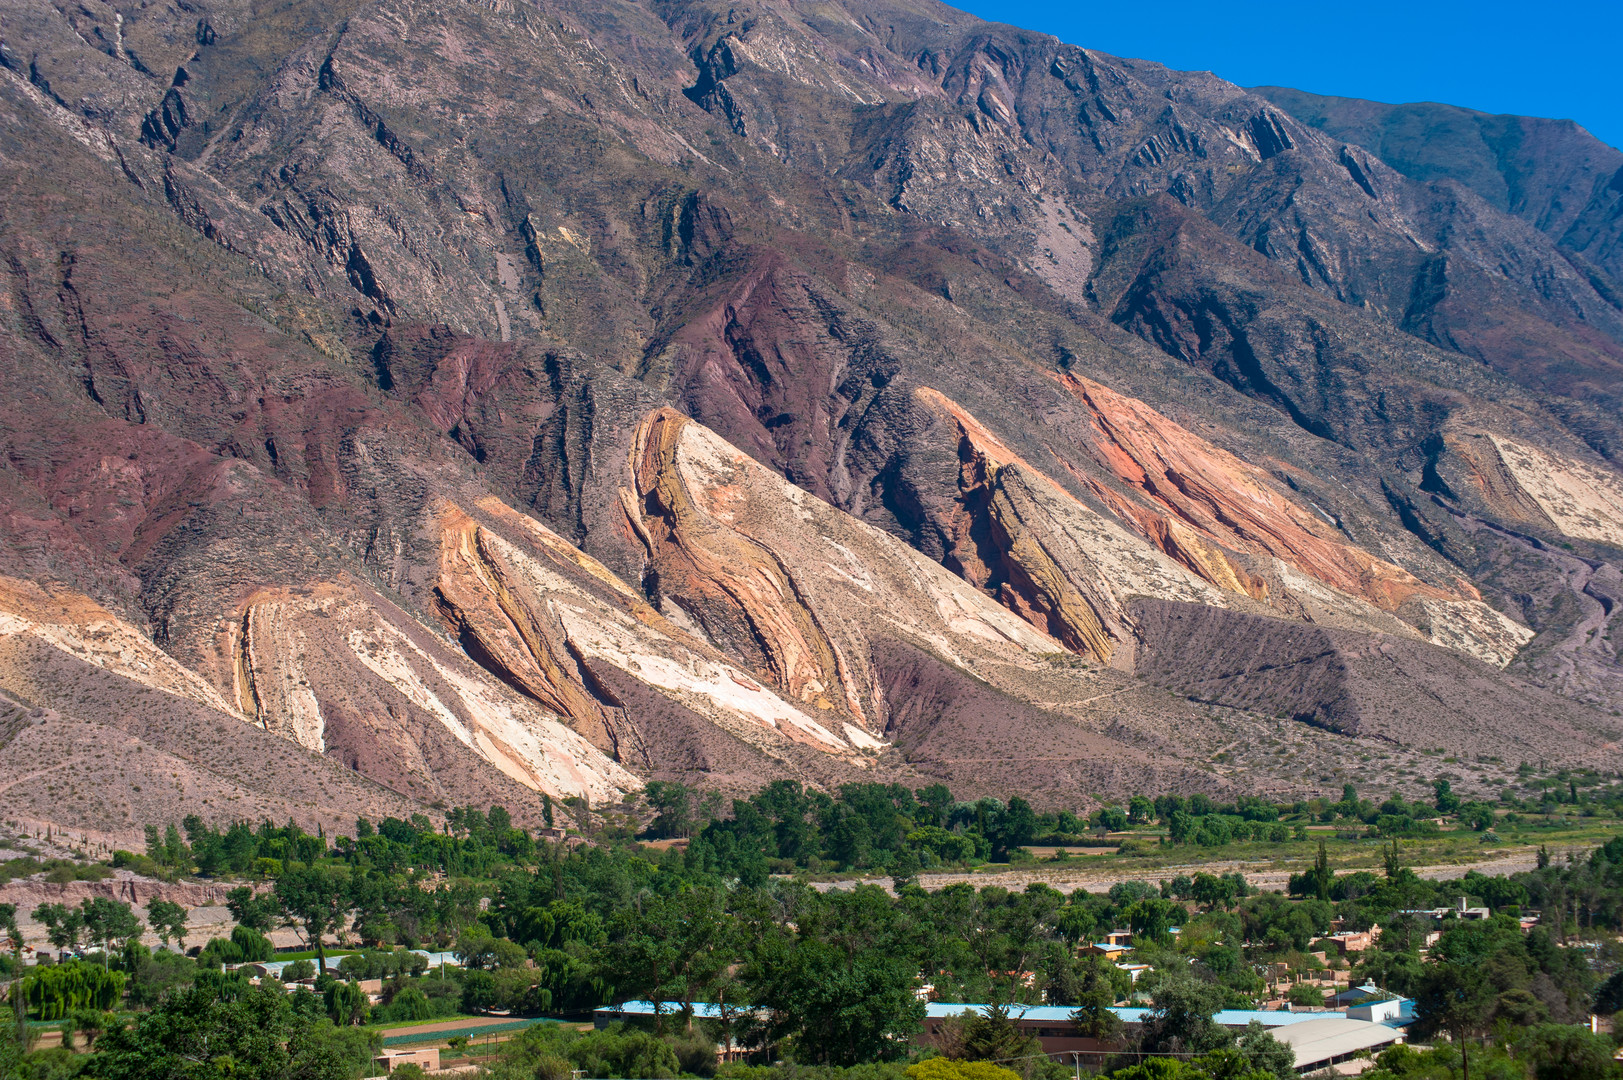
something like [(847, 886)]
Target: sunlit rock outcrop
[(1234, 525), (1192, 523), (1576, 498), (339, 670), (78, 626), (763, 569), (548, 619)]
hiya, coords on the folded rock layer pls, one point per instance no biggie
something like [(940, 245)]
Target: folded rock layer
[(449, 404)]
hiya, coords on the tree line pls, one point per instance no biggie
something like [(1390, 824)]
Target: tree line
[(832, 979)]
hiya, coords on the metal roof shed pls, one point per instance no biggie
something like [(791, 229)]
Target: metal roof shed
[(1322, 1042)]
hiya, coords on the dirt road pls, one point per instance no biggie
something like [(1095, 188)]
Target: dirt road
[(1261, 875)]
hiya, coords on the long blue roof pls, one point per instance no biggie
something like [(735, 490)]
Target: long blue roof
[(1059, 1014)]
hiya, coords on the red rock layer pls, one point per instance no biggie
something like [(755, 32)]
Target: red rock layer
[(1192, 500)]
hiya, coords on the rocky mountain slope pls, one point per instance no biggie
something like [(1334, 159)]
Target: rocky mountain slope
[(1550, 173), (488, 400)]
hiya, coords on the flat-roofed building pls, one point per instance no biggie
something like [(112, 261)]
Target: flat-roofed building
[(426, 1058), (1051, 1024), (1350, 941)]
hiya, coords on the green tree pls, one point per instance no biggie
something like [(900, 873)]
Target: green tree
[(1076, 922), (1564, 1052), (935, 803), (1017, 825), (250, 1034), (1093, 1017), (1110, 819), (317, 900), (1152, 917), (672, 948), (672, 804), (837, 1009), (256, 911), (1454, 998), (989, 1035), (478, 950), (8, 924), (904, 869), (1391, 859), (108, 921), (1396, 969), (1447, 802), (64, 926), (252, 946), (54, 991), (167, 919), (1321, 876), (1265, 1053), (1210, 891), (176, 855), (318, 1050), (298, 971), (1181, 1018), (90, 1023), (346, 1003)]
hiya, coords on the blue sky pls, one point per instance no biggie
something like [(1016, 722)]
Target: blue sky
[(1556, 58)]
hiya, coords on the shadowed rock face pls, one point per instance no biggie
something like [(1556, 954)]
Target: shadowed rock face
[(495, 401), (1389, 689)]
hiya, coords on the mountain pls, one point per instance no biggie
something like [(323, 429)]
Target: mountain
[(1550, 173), (456, 404)]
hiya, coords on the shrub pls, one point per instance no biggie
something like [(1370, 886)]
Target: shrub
[(939, 1068), (55, 991), (219, 951), (695, 1053), (299, 971), (1302, 994), (252, 945), (616, 1050), (409, 1004), (129, 860)]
